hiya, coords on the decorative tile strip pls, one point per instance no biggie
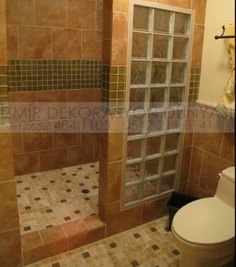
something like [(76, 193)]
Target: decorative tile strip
[(194, 84)]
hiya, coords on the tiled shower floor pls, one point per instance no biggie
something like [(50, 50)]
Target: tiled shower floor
[(148, 245), (54, 197)]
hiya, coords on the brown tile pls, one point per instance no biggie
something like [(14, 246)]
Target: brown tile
[(66, 43), (31, 241), (10, 249), (51, 96), (51, 13), (108, 21), (106, 55), (195, 165), (183, 187), (22, 97), (178, 3), (211, 167), (53, 159), (6, 164), (97, 95), (154, 209), (95, 235), (82, 13), (110, 181), (118, 221), (26, 163), (89, 138), (8, 206), (99, 15), (12, 42), (80, 154), (92, 45), (121, 6), (82, 95), (200, 10), (196, 191), (52, 234), (228, 148), (93, 222), (188, 138), (17, 142), (34, 42), (198, 37), (37, 141), (119, 32), (3, 34), (66, 139), (185, 164), (107, 5), (20, 12)]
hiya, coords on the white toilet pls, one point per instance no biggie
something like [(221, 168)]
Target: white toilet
[(204, 229)]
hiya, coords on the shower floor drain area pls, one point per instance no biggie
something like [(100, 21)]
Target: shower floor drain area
[(54, 197)]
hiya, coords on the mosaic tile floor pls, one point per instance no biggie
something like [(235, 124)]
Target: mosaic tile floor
[(148, 245), (51, 198)]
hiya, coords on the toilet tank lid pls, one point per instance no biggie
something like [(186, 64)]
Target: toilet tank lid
[(229, 174)]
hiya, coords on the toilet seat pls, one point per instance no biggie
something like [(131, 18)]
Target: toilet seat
[(204, 222)]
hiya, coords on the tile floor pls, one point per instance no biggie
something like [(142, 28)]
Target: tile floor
[(148, 245), (54, 197)]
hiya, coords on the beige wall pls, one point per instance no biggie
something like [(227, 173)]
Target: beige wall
[(215, 68)]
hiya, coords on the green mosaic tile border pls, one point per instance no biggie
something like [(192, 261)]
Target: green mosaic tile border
[(31, 75), (194, 84), (4, 107), (114, 87)]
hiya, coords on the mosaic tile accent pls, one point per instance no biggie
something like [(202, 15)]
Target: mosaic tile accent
[(114, 87), (151, 249), (4, 107), (30, 75), (54, 197), (194, 84)]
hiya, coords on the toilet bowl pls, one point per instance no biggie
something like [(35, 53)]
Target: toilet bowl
[(204, 229)]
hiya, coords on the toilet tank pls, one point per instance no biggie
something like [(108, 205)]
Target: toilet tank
[(226, 186)]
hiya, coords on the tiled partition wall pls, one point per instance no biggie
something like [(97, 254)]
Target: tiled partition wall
[(10, 243), (116, 13), (54, 55)]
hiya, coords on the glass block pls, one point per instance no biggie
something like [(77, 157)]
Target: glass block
[(160, 46), (178, 72), (181, 23), (169, 163), (138, 72), (174, 119), (132, 172), (172, 141), (167, 183), (153, 145), (162, 21), (134, 149), (141, 18), (131, 193), (136, 124), (180, 48), (157, 97), (159, 74), (140, 45), (137, 98), (151, 167), (155, 122), (176, 96), (150, 188)]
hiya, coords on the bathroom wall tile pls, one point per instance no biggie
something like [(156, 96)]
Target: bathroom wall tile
[(196, 191), (121, 6), (83, 95), (211, 167), (89, 138), (110, 181), (198, 37), (8, 205), (12, 42), (34, 42), (20, 12), (66, 43), (119, 32), (22, 97), (66, 139), (6, 163), (3, 35), (200, 10), (82, 13), (92, 45), (195, 165), (185, 163), (26, 163), (178, 3), (154, 209), (80, 154), (10, 249), (183, 187), (107, 5), (37, 141), (118, 221), (53, 159), (51, 13), (51, 96), (106, 55), (228, 148), (31, 241), (187, 139), (99, 15), (107, 31), (93, 222)]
